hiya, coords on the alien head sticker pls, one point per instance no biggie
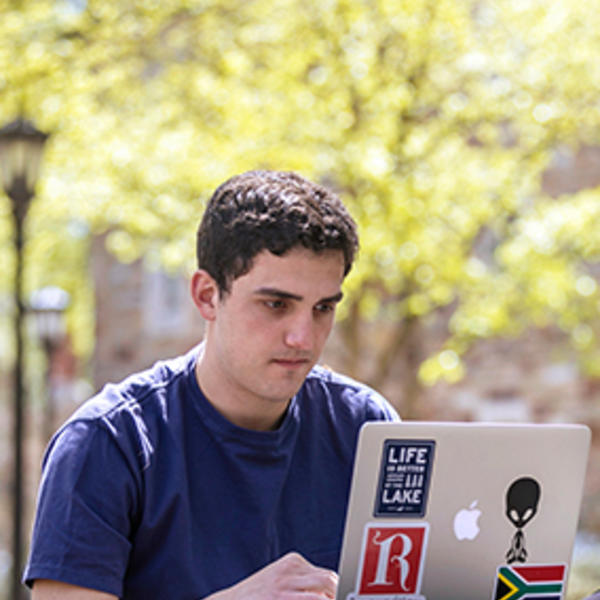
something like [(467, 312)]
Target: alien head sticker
[(522, 499), (530, 581)]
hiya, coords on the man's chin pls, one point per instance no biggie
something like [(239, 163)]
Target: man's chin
[(284, 393), (287, 382)]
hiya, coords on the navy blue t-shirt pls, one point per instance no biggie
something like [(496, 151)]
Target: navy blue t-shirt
[(148, 492)]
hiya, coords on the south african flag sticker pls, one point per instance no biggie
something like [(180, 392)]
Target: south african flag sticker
[(530, 582)]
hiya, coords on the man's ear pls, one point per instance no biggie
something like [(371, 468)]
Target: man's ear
[(205, 293)]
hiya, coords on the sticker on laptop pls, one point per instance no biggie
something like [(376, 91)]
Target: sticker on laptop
[(404, 478), (528, 582), (391, 562), (465, 524), (522, 501)]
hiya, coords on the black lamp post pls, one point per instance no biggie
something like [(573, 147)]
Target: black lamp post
[(48, 305), (21, 147)]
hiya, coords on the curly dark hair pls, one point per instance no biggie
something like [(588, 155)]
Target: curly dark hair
[(270, 210)]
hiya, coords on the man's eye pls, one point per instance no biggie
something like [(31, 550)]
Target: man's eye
[(324, 308), (275, 304)]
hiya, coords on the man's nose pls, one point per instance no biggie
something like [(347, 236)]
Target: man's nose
[(300, 332)]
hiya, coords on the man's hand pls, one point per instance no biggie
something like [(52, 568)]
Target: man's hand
[(289, 578)]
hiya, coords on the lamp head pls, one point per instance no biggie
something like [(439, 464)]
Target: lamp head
[(48, 304), (21, 148)]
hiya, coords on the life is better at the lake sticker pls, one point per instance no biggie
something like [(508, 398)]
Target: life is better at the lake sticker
[(404, 478)]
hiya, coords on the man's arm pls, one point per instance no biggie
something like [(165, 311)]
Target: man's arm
[(44, 589), (288, 578)]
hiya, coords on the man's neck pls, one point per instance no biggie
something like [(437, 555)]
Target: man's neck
[(256, 414)]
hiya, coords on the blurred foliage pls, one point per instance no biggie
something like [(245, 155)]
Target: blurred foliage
[(434, 121)]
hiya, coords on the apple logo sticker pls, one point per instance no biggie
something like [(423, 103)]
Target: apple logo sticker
[(465, 522)]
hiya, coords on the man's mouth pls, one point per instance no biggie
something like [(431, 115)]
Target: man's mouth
[(291, 363)]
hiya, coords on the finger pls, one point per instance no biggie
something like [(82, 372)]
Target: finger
[(318, 580)]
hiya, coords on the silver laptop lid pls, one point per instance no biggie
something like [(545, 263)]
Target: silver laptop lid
[(463, 511)]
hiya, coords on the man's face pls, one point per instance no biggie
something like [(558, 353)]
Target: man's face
[(270, 329)]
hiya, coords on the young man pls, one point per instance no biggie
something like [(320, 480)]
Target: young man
[(223, 473)]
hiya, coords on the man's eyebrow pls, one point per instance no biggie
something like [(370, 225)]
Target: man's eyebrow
[(274, 292), (333, 299), (267, 291)]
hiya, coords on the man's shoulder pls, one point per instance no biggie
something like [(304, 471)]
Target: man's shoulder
[(335, 379), (348, 394), (140, 392), (131, 415)]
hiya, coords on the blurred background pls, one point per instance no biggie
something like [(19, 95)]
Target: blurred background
[(464, 136)]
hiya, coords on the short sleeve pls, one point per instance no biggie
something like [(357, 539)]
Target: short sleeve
[(86, 511)]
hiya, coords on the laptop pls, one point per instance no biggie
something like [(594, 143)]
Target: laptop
[(463, 511)]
